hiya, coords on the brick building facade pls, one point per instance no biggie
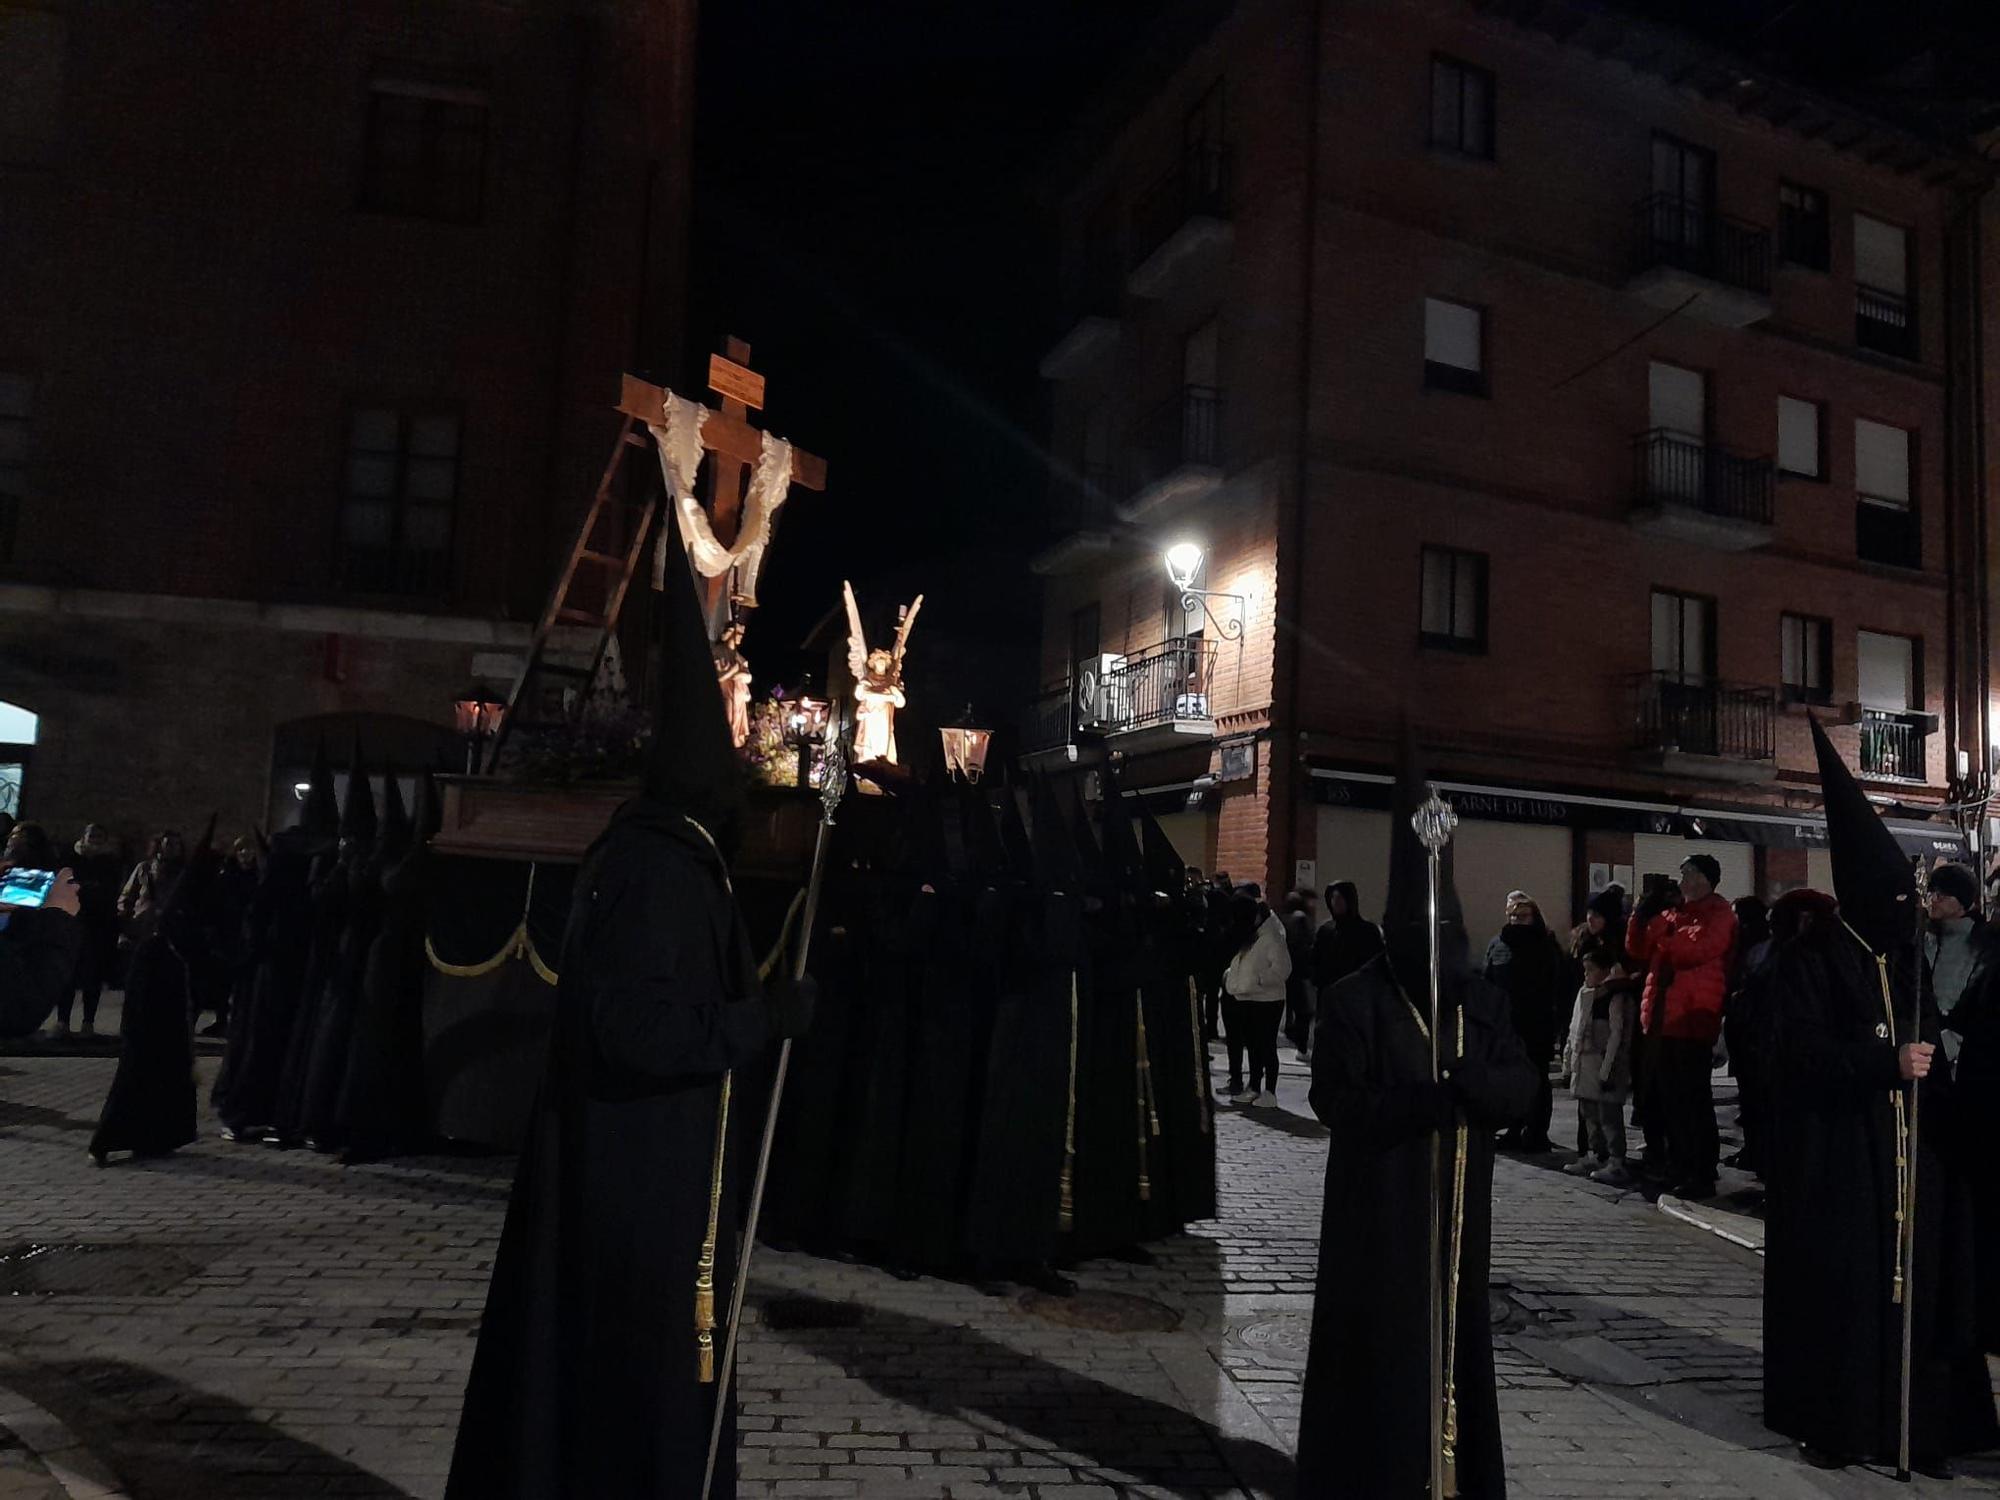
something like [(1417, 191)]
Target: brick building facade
[(1598, 400), (311, 322)]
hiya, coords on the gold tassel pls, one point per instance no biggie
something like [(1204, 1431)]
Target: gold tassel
[(1149, 1118), (1205, 1104), (1903, 1167), (1066, 1215), (704, 1274)]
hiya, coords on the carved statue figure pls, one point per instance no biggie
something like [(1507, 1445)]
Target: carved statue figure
[(878, 682), (732, 671)]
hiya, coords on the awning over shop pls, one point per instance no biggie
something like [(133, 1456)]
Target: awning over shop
[(1369, 789)]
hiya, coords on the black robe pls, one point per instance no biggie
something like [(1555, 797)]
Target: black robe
[(1364, 1429), (381, 1109), (1832, 1333), (260, 1031), (1181, 1155), (331, 895), (333, 1034), (585, 1380), (1111, 1117), (151, 1107)]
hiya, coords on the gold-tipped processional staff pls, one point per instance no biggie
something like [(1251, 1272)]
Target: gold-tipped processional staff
[(832, 788), (1434, 822), (1906, 1191)]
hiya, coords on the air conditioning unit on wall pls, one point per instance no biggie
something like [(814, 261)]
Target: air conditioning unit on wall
[(1102, 693)]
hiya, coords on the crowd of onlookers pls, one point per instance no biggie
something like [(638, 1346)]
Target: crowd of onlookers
[(65, 954), (1633, 1009)]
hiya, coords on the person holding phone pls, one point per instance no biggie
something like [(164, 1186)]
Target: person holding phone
[(38, 945)]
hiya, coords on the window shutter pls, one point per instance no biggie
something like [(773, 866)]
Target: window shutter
[(1451, 334), (1881, 255), (1882, 461), (1888, 671), (1798, 436)]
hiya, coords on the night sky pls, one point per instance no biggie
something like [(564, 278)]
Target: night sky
[(866, 220)]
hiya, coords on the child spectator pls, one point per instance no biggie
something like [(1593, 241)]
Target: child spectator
[(1600, 1045)]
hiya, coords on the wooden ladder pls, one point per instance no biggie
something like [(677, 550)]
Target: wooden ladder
[(613, 571)]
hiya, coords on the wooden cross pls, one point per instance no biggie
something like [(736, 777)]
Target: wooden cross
[(731, 447)]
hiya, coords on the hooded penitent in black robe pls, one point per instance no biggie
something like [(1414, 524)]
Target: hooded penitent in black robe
[(278, 937), (381, 1108), (587, 1380), (1184, 1182), (151, 1107), (1832, 1326), (1364, 1428)]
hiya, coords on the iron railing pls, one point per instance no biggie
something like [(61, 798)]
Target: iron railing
[(1679, 712), (1892, 745), (1671, 468), (1888, 533), (1184, 429), (1197, 188), (1695, 238), (1164, 684), (396, 571), (1883, 322)]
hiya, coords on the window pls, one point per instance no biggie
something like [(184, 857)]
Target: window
[(17, 395), (1454, 600), (1799, 449), (1804, 237), (1454, 347), (426, 152), (1204, 145), (1882, 303), (1681, 214), (1888, 671), (1882, 464), (1085, 632), (1806, 658), (402, 480), (1683, 636), (19, 729), (1461, 108)]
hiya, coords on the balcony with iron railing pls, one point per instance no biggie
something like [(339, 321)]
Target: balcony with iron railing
[(1698, 725), (1689, 257), (1182, 222), (1892, 745), (1144, 700), (1884, 322), (1176, 452), (1091, 329), (1687, 489)]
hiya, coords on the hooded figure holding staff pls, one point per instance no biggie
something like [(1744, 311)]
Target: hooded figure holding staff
[(1392, 1410), (1868, 1267), (596, 1371)]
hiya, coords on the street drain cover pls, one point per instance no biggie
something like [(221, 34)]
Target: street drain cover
[(1101, 1312), (1283, 1340), (85, 1270), (791, 1313)]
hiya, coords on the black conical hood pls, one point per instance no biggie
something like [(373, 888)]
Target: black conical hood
[(1406, 916), (1125, 867), (1872, 877), (1049, 837), (691, 763), (1166, 871), (1014, 833), (183, 905), (357, 813), (395, 818), (319, 817), (1090, 859), (982, 835)]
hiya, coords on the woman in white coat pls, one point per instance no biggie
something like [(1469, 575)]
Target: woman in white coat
[(1255, 980)]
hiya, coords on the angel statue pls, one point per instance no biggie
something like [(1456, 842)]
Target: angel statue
[(878, 682)]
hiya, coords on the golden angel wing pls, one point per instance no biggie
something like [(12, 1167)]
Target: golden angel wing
[(857, 641), (903, 630)]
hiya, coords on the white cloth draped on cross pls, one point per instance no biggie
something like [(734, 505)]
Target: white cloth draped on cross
[(681, 448)]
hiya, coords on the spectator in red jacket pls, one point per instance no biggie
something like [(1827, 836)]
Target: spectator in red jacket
[(1685, 951)]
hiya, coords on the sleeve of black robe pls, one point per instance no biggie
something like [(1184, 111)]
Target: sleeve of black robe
[(1812, 1047), (1350, 1092), (656, 1007)]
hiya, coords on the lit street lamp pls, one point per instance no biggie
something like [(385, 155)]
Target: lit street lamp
[(965, 745), (477, 718), (1184, 560)]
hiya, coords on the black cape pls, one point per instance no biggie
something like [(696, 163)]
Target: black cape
[(1364, 1429), (279, 935), (1832, 1333), (381, 1108), (151, 1107), (585, 1381)]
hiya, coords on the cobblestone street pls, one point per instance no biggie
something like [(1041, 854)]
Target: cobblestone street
[(235, 1322)]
